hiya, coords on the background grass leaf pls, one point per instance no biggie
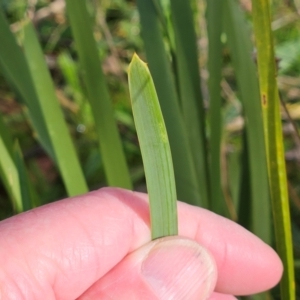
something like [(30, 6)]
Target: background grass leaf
[(63, 147), (241, 48), (115, 165), (187, 186), (188, 79), (8, 170), (214, 16), (274, 142), (15, 68)]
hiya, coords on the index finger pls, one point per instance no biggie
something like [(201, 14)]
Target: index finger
[(62, 248)]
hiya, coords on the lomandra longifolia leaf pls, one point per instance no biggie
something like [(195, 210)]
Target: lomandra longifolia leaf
[(155, 150)]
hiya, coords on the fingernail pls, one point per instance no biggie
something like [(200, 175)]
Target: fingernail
[(178, 268)]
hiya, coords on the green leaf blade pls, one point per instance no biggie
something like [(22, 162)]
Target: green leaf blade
[(155, 149), (10, 177), (15, 68), (214, 30), (274, 142), (115, 166), (28, 193), (65, 153), (188, 78), (241, 48)]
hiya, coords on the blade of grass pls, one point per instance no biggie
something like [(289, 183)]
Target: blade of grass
[(155, 150), (234, 175), (244, 203), (115, 166), (14, 67), (70, 70), (274, 142), (214, 13), (241, 48), (188, 78), (8, 170), (28, 194), (13, 173), (65, 154), (255, 210), (160, 67)]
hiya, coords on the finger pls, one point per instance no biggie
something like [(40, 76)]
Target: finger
[(168, 268), (218, 296), (245, 264), (62, 248)]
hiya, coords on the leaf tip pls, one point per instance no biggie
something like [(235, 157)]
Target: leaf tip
[(135, 61)]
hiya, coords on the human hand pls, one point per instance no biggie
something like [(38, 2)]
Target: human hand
[(98, 246)]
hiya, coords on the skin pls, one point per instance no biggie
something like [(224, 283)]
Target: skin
[(98, 246)]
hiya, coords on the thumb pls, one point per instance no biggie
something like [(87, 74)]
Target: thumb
[(166, 268)]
